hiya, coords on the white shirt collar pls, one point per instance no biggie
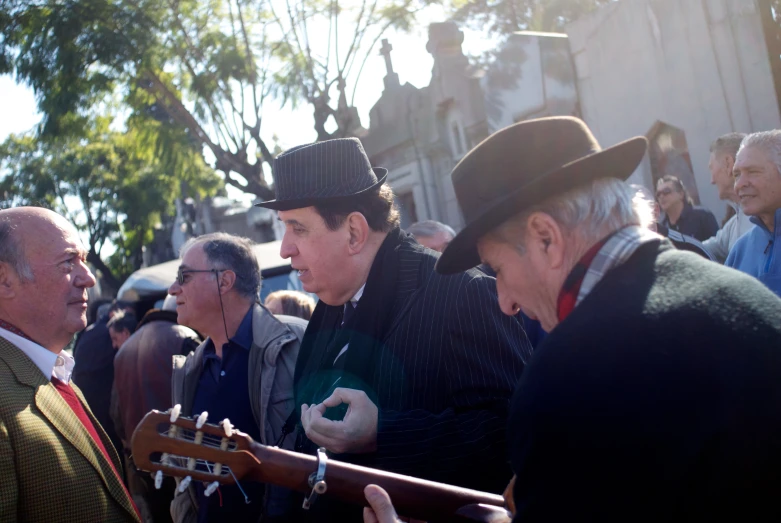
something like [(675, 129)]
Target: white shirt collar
[(58, 365), (354, 299)]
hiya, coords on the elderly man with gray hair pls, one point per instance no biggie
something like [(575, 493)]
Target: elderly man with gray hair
[(432, 234), (656, 395), (757, 174), (243, 371)]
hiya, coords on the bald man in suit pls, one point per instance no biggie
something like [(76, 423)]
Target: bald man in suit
[(56, 462)]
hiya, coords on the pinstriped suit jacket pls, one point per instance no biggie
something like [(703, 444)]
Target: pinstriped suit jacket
[(449, 364), (50, 468)]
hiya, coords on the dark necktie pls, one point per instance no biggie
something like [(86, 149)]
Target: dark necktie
[(349, 312)]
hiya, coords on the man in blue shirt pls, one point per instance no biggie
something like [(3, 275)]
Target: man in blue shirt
[(757, 174), (229, 375)]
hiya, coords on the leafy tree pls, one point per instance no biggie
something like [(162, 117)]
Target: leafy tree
[(502, 17), (202, 68), (112, 189)]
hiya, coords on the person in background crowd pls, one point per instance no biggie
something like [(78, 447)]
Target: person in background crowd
[(56, 462), (290, 303), (142, 382), (94, 371), (243, 371), (680, 213), (723, 151), (120, 327), (400, 368), (432, 234), (758, 185), (656, 395), (680, 241)]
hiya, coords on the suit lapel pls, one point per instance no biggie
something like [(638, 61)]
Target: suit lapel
[(411, 281), (54, 408)]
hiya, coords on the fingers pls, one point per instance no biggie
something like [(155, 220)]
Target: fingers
[(320, 430), (368, 516), (380, 504), (340, 395), (326, 427)]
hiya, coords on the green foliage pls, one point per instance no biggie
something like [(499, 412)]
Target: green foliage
[(109, 184), (194, 70), (502, 17)]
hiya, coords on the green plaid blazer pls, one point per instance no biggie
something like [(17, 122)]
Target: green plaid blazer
[(50, 468)]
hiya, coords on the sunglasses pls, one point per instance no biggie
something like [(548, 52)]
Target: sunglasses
[(664, 192), (181, 272)]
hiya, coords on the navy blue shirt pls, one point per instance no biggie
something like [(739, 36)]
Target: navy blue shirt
[(223, 392)]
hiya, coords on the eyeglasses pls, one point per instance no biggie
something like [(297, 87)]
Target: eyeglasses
[(181, 272), (663, 192)]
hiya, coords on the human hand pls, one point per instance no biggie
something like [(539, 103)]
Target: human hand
[(380, 509), (356, 433)]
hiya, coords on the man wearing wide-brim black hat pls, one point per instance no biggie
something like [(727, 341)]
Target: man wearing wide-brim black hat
[(657, 394), (426, 363)]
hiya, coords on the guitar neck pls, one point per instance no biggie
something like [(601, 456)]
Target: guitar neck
[(205, 452), (411, 496)]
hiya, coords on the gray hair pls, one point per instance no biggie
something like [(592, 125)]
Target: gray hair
[(429, 228), (11, 251), (769, 142), (727, 144), (226, 251), (594, 210)]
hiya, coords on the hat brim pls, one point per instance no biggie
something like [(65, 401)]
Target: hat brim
[(300, 203), (618, 161)]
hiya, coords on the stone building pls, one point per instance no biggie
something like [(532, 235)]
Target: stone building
[(681, 72), (419, 134)]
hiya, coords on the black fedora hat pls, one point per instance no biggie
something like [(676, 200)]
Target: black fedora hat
[(522, 165), (324, 171)]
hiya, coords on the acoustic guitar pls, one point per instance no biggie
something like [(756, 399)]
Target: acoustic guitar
[(164, 443)]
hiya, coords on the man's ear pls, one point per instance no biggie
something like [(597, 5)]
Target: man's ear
[(358, 228), (227, 280), (729, 163), (544, 235), (9, 280)]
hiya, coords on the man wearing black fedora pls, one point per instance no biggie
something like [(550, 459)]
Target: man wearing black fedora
[(657, 394), (426, 363)]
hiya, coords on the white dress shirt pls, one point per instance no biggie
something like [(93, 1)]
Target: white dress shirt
[(58, 365), (352, 303)]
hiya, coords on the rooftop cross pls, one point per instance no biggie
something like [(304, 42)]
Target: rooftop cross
[(386, 51)]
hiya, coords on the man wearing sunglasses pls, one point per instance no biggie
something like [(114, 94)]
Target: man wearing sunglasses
[(243, 371)]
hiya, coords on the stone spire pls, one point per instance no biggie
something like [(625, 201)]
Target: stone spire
[(391, 78), (444, 44)]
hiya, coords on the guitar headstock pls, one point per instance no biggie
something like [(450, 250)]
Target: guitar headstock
[(182, 447)]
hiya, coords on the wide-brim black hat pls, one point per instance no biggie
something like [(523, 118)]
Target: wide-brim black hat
[(522, 165), (321, 172)]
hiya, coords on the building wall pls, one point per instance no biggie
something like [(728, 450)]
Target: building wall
[(700, 65)]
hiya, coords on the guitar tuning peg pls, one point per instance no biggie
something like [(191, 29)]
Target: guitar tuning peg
[(185, 483), (227, 427), (158, 479), (211, 488), (175, 411), (201, 420)]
